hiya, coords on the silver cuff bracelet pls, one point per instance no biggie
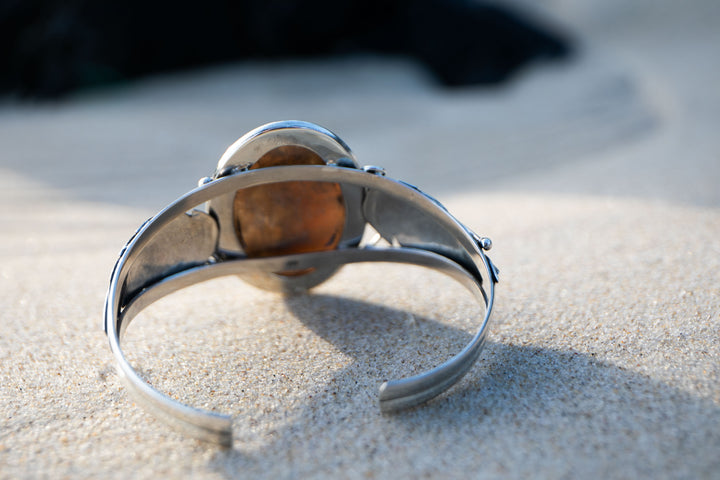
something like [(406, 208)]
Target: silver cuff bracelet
[(287, 206)]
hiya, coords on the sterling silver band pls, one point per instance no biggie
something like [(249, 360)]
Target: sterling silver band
[(189, 242)]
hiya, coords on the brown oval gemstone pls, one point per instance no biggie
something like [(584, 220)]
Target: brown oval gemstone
[(289, 217)]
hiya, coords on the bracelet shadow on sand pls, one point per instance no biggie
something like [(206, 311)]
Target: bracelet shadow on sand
[(522, 403)]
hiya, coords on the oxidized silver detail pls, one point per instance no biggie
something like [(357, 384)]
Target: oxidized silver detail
[(204, 180), (486, 244), (375, 170), (186, 241)]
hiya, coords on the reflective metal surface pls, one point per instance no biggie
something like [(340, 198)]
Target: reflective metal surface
[(174, 250)]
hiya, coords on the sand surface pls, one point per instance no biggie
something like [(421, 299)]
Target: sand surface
[(598, 181)]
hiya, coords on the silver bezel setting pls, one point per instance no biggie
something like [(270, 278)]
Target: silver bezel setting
[(242, 154)]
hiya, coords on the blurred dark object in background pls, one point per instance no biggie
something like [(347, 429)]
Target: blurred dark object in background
[(52, 47)]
